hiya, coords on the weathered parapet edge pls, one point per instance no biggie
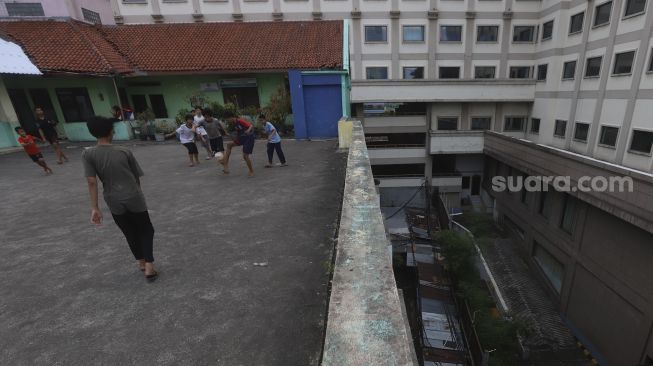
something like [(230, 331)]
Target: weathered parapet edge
[(365, 324)]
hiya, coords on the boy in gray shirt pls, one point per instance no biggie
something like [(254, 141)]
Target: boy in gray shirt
[(120, 175), (215, 130)]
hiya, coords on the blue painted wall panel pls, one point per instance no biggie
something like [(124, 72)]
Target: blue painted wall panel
[(316, 103)]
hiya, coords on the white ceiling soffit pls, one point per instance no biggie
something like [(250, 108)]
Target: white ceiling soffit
[(14, 60)]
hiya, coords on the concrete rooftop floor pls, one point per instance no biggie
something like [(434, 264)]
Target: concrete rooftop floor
[(71, 294)]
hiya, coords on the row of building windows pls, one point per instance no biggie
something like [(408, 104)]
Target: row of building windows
[(36, 10), (490, 33)]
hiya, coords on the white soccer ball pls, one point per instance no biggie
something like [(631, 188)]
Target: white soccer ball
[(219, 155)]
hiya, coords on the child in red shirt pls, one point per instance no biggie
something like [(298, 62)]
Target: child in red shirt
[(29, 144)]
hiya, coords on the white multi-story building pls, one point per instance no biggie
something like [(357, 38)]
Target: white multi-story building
[(90, 11), (453, 92)]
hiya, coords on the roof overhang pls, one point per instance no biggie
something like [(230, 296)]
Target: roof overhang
[(15, 61)]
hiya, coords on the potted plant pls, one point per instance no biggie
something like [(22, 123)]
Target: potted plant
[(146, 121), (162, 128)]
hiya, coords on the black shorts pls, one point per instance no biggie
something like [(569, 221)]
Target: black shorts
[(51, 137), (247, 142), (36, 157), (191, 147), (216, 144)]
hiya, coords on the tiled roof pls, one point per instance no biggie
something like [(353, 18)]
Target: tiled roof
[(73, 46)]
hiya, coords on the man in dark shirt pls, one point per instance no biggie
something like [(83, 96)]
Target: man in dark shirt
[(49, 133)]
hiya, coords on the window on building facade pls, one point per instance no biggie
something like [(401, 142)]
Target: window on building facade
[(413, 33), (569, 214), (520, 72), (642, 141), (140, 103), (623, 63), (569, 70), (650, 63), (481, 123), (376, 72), (514, 124), (593, 67), (448, 123), (398, 170), (560, 128), (376, 33), (414, 72), (158, 106), (544, 207), (451, 33), (541, 72), (484, 72), (535, 125), (581, 131), (608, 136), (75, 104), (552, 268), (487, 33), (24, 9), (449, 72), (523, 33), (547, 30), (602, 14), (91, 16), (576, 23), (634, 7)]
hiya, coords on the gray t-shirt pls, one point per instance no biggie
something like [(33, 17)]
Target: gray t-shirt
[(119, 172), (212, 128)]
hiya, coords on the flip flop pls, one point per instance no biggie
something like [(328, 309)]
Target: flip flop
[(152, 277)]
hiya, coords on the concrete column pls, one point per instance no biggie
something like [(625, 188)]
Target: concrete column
[(7, 112), (356, 50)]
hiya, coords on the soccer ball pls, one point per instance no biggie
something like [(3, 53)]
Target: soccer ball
[(219, 155)]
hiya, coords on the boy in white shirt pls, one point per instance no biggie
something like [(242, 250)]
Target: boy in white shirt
[(187, 133), (202, 135)]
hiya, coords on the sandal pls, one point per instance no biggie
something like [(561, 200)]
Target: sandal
[(152, 277)]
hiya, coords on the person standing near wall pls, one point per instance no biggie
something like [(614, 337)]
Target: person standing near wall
[(274, 141), (49, 133)]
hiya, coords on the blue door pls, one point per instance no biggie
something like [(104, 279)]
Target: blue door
[(323, 106)]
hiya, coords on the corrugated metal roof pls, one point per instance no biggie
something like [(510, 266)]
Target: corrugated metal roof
[(14, 60)]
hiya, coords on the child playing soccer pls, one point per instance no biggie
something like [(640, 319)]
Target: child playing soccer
[(215, 130), (274, 141), (29, 144), (245, 137), (200, 132), (120, 175), (187, 138)]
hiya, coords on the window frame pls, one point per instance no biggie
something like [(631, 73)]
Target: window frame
[(564, 70), (587, 64), (403, 72), (387, 75), (157, 111), (24, 5), (447, 26), (478, 33), (632, 138), (568, 198), (505, 123), (544, 28), (602, 131), (546, 72), (494, 72), (614, 65), (582, 23), (382, 26), (91, 16), (448, 67), (575, 137), (403, 33), (641, 12), (533, 131), (437, 123), (529, 76), (59, 91), (596, 13), (533, 33), (471, 123), (564, 128), (650, 62)]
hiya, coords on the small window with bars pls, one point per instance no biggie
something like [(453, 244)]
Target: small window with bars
[(91, 16), (25, 9)]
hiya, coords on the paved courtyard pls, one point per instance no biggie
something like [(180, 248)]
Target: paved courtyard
[(71, 294)]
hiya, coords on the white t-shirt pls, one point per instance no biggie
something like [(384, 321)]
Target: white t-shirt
[(186, 134), (200, 129)]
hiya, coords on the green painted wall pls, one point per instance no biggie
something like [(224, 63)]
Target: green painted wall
[(8, 119)]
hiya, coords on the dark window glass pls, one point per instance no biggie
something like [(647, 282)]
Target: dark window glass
[(608, 136), (375, 140), (448, 123), (634, 7), (481, 123), (541, 72), (449, 72), (413, 33), (398, 170), (623, 62), (514, 124), (547, 30), (602, 15), (581, 131), (158, 106), (544, 208), (535, 125), (523, 33), (568, 214), (487, 33), (451, 33), (91, 16), (413, 73), (593, 67), (41, 98), (465, 182), (576, 23), (24, 9), (520, 72), (484, 72), (376, 33), (560, 128), (394, 109), (552, 268), (569, 70), (376, 72), (650, 64), (75, 104), (140, 103), (642, 141)]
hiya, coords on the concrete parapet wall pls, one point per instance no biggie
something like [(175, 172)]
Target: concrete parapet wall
[(365, 324)]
